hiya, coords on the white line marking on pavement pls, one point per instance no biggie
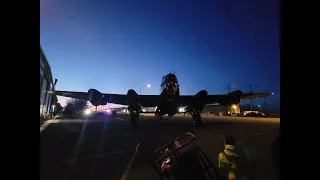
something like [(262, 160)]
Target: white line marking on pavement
[(89, 157), (44, 126), (47, 123)]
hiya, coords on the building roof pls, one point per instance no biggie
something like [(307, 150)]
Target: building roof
[(48, 74), (47, 68)]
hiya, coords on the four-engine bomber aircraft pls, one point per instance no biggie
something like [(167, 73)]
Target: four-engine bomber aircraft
[(168, 102)]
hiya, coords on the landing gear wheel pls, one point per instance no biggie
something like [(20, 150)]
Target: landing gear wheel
[(197, 120), (134, 119), (159, 116)]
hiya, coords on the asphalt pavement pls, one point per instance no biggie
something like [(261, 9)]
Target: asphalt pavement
[(95, 149)]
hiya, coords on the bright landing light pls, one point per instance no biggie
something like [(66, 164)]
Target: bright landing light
[(87, 112)]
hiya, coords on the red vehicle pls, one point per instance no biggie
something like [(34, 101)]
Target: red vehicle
[(181, 159), (255, 114)]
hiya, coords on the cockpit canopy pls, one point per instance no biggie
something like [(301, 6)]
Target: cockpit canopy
[(169, 78)]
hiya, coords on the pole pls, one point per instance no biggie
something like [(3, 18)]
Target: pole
[(250, 86), (147, 85), (265, 101), (128, 168)]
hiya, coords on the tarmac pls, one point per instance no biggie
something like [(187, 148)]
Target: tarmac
[(103, 148)]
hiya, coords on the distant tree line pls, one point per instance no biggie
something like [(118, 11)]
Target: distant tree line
[(247, 107), (58, 108), (75, 107)]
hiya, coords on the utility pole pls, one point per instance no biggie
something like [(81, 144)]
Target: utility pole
[(265, 101), (141, 88), (250, 86)]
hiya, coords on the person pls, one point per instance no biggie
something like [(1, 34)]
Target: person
[(226, 162), (235, 161)]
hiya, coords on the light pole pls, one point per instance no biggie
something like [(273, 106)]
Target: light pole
[(251, 92), (52, 112), (145, 85)]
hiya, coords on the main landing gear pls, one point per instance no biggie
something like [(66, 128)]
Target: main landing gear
[(134, 115), (196, 117), (134, 118), (159, 116)]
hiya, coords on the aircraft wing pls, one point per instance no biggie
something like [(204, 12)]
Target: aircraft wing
[(255, 95), (71, 94), (210, 99), (152, 100), (145, 100)]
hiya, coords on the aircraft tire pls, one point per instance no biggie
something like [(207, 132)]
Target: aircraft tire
[(158, 116), (197, 120)]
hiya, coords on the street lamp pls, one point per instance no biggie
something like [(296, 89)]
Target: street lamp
[(234, 106), (52, 112), (145, 85)]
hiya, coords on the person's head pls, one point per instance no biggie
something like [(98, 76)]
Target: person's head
[(229, 143), (229, 140)]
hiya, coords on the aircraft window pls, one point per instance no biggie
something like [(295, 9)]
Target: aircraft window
[(172, 78)]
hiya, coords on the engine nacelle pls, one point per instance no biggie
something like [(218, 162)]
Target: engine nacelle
[(236, 93), (96, 98), (133, 101), (232, 98), (198, 102)]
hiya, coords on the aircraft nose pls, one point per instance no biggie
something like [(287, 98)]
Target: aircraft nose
[(172, 89)]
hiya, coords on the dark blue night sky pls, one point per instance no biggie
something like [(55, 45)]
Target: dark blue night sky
[(121, 44)]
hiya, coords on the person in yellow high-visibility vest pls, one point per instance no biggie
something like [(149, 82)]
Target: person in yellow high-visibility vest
[(225, 159)]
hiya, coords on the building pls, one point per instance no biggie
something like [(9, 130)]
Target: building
[(46, 83), (222, 110)]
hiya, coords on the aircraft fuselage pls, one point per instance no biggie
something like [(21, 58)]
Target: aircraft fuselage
[(169, 97)]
